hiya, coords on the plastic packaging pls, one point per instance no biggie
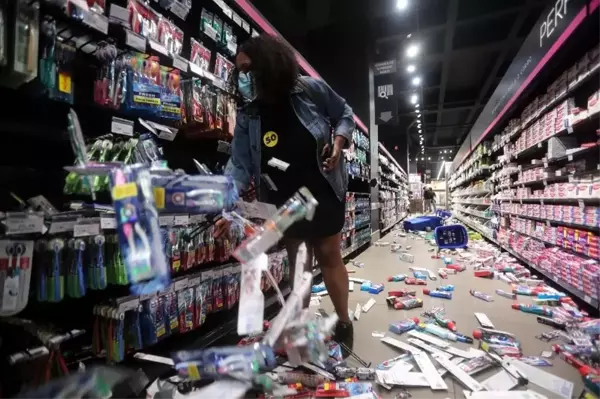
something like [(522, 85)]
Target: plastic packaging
[(397, 277), (505, 294), (224, 362), (443, 321), (402, 293), (481, 295), (444, 334), (302, 205), (400, 327), (445, 288), (438, 294), (409, 303), (495, 337), (414, 281), (539, 310)]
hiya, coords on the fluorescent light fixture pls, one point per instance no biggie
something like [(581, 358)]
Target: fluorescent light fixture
[(416, 81), (411, 68), (442, 158), (401, 4), (412, 50), (420, 130), (414, 99), (416, 105), (444, 151), (419, 125), (450, 151), (429, 158), (422, 159), (409, 35), (441, 168)]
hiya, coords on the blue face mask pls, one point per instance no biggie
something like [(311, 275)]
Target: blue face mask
[(246, 86)]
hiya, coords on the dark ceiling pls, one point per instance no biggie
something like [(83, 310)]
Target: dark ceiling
[(466, 47)]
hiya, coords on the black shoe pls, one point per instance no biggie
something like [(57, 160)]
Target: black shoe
[(344, 335)]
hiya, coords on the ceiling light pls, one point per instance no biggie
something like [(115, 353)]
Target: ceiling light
[(422, 159), (440, 152), (450, 151), (411, 68), (401, 4), (412, 50), (442, 158), (420, 130), (429, 158), (419, 125), (416, 105), (414, 99), (409, 35), (444, 151), (416, 81)]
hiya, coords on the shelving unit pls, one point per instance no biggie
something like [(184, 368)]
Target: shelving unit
[(196, 122), (393, 190), (538, 171)]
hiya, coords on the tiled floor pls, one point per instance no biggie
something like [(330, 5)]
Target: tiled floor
[(379, 263)]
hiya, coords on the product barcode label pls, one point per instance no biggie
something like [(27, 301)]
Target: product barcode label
[(166, 220), (121, 126), (181, 220), (24, 223), (179, 9), (135, 41), (62, 227), (180, 63), (158, 47), (108, 223), (85, 230), (96, 21)]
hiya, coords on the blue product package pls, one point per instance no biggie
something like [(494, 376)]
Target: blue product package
[(138, 230), (365, 286), (420, 275), (178, 192), (148, 321), (451, 237), (375, 289)]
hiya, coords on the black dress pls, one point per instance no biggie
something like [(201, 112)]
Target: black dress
[(285, 138)]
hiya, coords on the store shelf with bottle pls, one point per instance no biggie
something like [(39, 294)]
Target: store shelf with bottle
[(357, 157), (539, 171)]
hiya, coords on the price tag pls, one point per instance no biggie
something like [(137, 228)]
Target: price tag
[(588, 299), (121, 126), (179, 9), (156, 46), (86, 230), (570, 157), (545, 164), (539, 145), (131, 304), (197, 218), (108, 222), (245, 26), (180, 63), (166, 220), (236, 18), (568, 125), (548, 223), (581, 205), (62, 227), (24, 223), (96, 21), (150, 295), (181, 220), (196, 69), (232, 47), (164, 132), (219, 83), (211, 32), (135, 41), (545, 182), (194, 282), (118, 13), (181, 284), (227, 11)]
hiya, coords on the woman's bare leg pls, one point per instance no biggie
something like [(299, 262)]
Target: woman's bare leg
[(329, 259)]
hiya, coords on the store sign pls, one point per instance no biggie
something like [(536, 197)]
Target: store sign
[(384, 67), (556, 24), (385, 102)]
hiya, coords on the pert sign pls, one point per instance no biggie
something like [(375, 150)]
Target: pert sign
[(554, 17)]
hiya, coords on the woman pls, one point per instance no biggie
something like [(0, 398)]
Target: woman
[(290, 118)]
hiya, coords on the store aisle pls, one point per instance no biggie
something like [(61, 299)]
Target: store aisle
[(379, 263)]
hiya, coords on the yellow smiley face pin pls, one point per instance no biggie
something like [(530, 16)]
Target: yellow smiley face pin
[(270, 139)]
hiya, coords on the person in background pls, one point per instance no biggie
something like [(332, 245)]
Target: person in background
[(429, 200), (304, 123)]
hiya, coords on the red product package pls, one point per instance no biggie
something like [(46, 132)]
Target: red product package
[(143, 19), (200, 55)]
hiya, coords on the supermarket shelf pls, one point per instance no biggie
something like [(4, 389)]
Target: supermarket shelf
[(563, 284), (554, 245), (353, 248), (480, 192), (595, 229), (477, 227), (471, 213), (392, 224), (553, 179), (472, 203), (550, 200)]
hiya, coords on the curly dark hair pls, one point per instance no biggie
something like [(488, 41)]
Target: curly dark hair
[(274, 66)]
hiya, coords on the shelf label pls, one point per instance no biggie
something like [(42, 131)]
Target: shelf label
[(62, 226), (196, 69), (211, 32), (581, 205), (180, 63), (166, 220), (539, 145), (86, 229), (121, 126), (588, 299), (181, 284), (197, 218), (135, 41), (179, 9), (158, 47), (24, 223), (181, 220), (108, 222), (96, 21), (570, 157), (132, 304)]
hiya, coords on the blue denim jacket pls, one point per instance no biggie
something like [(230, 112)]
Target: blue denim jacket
[(319, 110)]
